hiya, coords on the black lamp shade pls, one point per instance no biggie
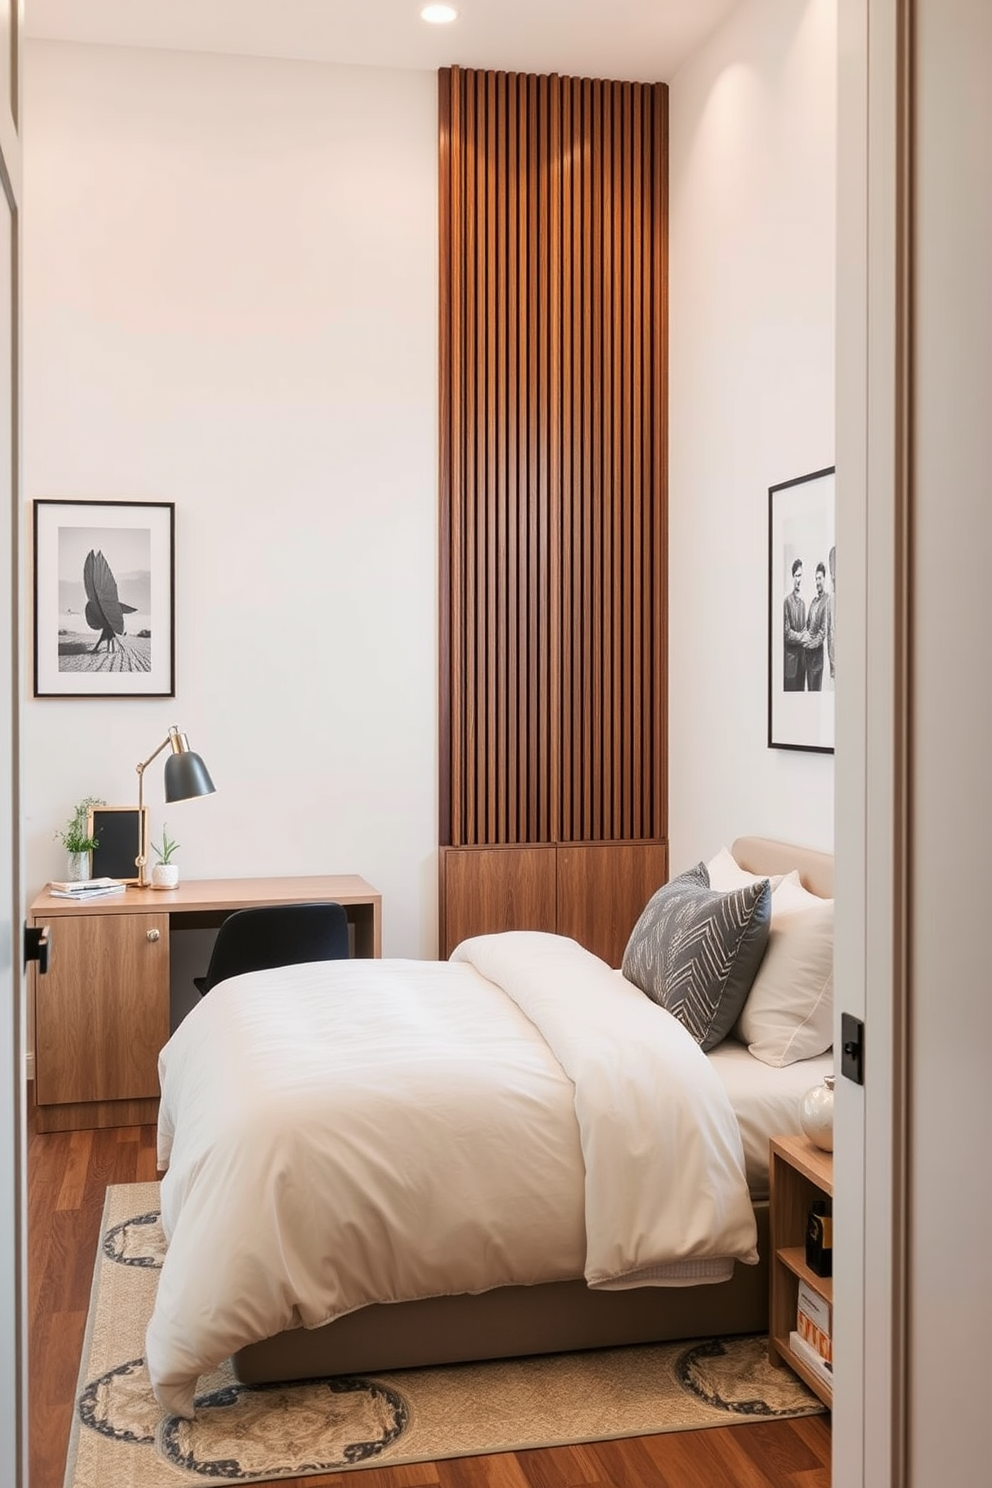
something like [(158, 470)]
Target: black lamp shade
[(185, 776)]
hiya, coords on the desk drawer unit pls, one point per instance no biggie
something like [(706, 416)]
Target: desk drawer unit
[(101, 1016)]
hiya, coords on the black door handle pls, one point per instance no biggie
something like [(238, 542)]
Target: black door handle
[(37, 943)]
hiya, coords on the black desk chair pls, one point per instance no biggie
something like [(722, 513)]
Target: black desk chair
[(275, 935)]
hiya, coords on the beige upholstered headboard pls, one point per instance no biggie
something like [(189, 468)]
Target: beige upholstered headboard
[(766, 855)]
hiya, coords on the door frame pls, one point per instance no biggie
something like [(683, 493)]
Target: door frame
[(873, 848), (13, 1118)]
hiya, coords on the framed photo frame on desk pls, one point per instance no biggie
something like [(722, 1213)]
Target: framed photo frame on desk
[(121, 833)]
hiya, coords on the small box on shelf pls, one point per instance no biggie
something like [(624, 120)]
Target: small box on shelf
[(819, 1237), (821, 1368), (813, 1320)]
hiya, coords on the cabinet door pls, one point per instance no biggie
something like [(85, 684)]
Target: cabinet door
[(102, 1011), (602, 888), (485, 889)]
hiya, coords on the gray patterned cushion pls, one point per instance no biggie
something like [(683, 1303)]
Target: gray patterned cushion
[(696, 951)]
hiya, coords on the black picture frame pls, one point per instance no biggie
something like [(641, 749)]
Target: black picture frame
[(122, 834), (802, 567), (104, 599)]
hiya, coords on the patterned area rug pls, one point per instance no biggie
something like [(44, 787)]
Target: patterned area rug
[(250, 1434)]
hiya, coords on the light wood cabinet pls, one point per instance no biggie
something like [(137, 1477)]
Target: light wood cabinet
[(101, 1017), (798, 1174)]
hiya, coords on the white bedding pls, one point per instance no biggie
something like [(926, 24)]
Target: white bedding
[(359, 1131), (765, 1100)]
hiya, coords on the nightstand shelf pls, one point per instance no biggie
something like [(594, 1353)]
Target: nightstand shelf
[(799, 1173)]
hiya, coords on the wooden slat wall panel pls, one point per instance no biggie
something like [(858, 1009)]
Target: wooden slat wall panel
[(553, 329)]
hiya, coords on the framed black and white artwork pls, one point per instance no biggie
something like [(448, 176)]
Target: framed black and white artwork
[(104, 599), (802, 572)]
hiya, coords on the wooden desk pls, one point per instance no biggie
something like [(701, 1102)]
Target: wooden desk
[(101, 1014)]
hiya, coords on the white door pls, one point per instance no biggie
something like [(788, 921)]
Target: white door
[(13, 1371), (870, 814), (914, 789)]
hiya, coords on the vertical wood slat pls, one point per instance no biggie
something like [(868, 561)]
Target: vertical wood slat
[(449, 517), (553, 327)]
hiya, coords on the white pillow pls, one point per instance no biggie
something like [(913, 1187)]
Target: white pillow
[(726, 874), (789, 1012)]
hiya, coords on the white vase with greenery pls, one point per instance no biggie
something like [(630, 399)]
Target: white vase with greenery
[(77, 841)]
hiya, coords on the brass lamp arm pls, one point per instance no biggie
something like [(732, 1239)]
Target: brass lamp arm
[(155, 753), (172, 737)]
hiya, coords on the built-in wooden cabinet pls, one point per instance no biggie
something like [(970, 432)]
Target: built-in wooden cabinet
[(485, 889), (602, 888), (553, 259), (592, 891)]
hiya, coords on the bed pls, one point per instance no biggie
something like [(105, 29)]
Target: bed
[(380, 1165)]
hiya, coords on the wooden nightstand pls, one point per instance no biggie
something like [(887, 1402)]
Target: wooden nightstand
[(798, 1174)]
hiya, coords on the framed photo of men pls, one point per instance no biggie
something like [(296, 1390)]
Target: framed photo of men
[(802, 577)]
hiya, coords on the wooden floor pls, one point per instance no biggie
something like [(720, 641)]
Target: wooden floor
[(67, 1176)]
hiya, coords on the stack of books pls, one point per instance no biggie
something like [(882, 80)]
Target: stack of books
[(810, 1340), (86, 888)]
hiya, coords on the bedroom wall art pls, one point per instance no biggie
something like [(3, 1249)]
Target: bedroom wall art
[(104, 594), (802, 571)]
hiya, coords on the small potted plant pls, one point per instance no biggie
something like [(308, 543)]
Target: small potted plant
[(165, 873), (75, 838)]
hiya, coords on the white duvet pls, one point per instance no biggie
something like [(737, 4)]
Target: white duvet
[(364, 1131)]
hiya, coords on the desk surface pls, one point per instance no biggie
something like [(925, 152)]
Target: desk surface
[(218, 893), (218, 896)]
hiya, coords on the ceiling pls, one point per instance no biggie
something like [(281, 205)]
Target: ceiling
[(625, 40)]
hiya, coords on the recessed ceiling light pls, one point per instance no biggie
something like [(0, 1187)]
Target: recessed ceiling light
[(439, 15)]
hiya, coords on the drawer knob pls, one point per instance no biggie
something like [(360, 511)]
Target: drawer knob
[(153, 934)]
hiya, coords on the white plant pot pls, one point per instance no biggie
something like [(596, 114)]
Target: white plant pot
[(165, 875), (77, 867)]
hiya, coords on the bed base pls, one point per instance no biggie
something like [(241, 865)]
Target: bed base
[(509, 1322)]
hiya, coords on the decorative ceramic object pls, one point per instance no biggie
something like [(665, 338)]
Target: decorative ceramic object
[(77, 866), (816, 1114)]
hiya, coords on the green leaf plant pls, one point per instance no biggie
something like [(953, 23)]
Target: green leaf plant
[(164, 853), (74, 836)]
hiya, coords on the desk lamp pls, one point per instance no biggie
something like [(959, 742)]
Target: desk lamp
[(185, 776)]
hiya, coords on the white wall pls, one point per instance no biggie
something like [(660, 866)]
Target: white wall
[(230, 302), (753, 121)]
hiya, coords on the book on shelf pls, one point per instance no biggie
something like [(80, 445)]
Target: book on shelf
[(814, 1321), (820, 1367), (86, 888)]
